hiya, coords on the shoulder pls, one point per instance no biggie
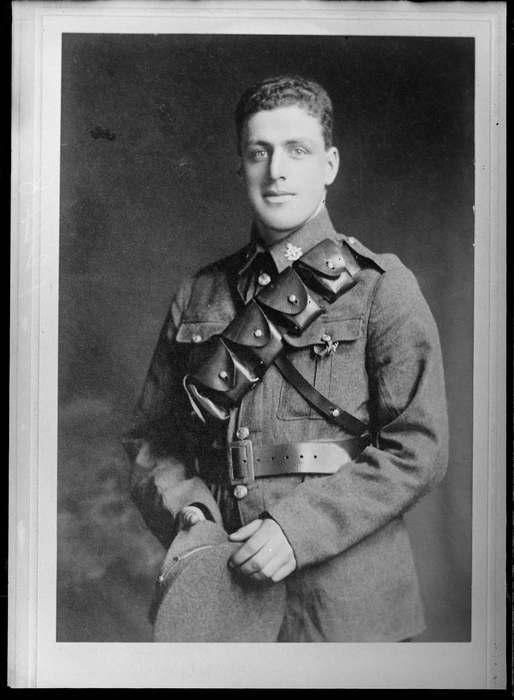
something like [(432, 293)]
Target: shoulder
[(207, 293), (226, 265), (210, 273), (397, 290), (384, 261), (393, 273)]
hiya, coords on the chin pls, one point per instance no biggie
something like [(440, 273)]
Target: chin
[(283, 225)]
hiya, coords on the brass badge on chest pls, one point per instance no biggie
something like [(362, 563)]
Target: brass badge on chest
[(328, 348)]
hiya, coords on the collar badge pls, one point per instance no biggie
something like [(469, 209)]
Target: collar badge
[(293, 252)]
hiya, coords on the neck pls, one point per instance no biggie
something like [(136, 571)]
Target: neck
[(271, 236)]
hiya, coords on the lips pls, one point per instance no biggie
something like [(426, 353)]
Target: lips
[(280, 193), (280, 197)]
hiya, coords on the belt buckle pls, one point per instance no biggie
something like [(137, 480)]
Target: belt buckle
[(240, 462)]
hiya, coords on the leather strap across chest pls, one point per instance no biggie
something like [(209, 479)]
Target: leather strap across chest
[(229, 365), (327, 408)]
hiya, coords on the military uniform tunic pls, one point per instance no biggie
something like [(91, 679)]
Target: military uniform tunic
[(355, 579)]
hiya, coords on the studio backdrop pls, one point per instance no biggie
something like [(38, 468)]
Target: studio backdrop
[(150, 192)]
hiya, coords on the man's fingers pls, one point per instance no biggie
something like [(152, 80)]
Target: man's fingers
[(190, 519), (266, 560), (255, 546), (252, 557), (283, 571), (275, 569), (246, 531), (265, 554), (269, 569), (191, 515)]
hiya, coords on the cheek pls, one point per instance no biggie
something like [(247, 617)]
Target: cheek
[(252, 180), (312, 176)]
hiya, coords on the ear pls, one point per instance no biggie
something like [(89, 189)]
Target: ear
[(332, 165)]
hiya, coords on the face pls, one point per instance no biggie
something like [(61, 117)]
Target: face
[(286, 168)]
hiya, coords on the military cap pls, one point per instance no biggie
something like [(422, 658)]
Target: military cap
[(200, 599)]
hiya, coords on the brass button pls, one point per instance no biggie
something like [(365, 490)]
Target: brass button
[(240, 491), (293, 299), (335, 412), (243, 433), (197, 338), (223, 375), (257, 333), (352, 240), (264, 279), (326, 338), (330, 265)]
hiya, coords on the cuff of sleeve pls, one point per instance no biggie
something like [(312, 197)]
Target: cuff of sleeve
[(266, 516)]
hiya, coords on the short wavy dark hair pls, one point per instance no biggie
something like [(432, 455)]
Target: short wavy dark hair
[(284, 91)]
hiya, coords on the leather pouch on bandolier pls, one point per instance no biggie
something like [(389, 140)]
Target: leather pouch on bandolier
[(327, 270), (288, 302), (252, 336), (220, 375)]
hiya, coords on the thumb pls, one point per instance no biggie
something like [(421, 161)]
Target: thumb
[(191, 515), (246, 531)]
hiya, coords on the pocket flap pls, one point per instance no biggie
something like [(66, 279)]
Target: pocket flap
[(215, 368), (287, 295), (199, 332), (339, 330), (251, 328), (325, 259)]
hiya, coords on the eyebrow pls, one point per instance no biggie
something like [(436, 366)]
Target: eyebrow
[(289, 142)]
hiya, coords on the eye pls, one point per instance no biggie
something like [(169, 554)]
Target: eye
[(257, 155), (298, 151)]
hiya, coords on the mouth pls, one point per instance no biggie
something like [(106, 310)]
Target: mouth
[(277, 196)]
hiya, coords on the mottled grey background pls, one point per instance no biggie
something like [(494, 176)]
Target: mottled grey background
[(149, 192)]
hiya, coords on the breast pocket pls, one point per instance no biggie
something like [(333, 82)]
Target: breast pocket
[(330, 356)]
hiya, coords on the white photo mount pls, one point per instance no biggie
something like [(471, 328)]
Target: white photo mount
[(35, 658)]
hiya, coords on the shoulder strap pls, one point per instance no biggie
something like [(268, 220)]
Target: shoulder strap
[(327, 408)]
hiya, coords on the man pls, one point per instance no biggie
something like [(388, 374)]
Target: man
[(349, 415)]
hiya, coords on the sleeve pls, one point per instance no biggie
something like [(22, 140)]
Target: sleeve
[(325, 516), (160, 442)]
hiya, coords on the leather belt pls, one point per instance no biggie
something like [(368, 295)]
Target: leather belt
[(247, 462)]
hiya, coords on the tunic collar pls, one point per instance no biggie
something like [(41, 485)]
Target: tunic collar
[(293, 246)]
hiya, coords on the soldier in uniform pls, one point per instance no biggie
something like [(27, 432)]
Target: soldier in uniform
[(296, 394)]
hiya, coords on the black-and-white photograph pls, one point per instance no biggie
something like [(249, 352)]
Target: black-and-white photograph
[(197, 172), (266, 342)]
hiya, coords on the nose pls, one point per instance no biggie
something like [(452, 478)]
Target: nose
[(277, 166)]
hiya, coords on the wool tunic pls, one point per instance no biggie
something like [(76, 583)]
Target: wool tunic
[(355, 579)]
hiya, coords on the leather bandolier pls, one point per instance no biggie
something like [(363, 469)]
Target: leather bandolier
[(230, 364)]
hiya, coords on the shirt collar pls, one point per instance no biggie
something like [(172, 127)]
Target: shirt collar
[(295, 245)]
